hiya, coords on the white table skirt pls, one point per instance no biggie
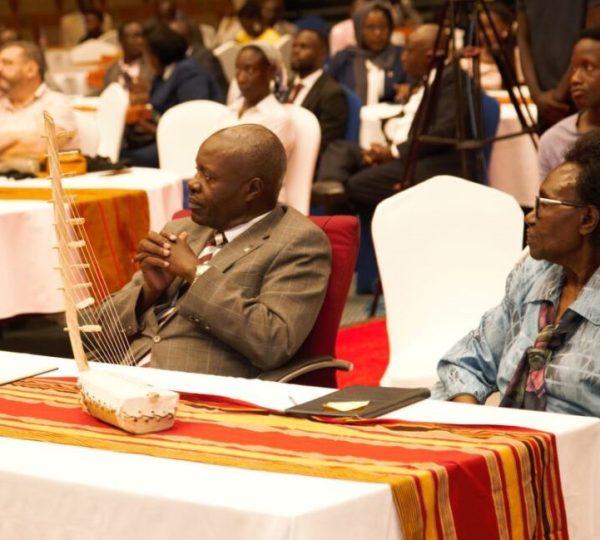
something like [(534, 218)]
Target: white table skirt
[(29, 282), (52, 491), (514, 162)]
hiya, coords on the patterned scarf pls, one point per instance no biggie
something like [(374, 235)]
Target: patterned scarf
[(526, 389)]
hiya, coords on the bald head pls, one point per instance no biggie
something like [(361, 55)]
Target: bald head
[(425, 35), (260, 153), (240, 170), (418, 51)]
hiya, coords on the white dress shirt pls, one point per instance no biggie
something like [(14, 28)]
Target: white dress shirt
[(268, 113), (307, 83), (29, 118)]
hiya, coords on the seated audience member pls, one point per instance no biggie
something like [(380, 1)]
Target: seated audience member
[(8, 34), (255, 69), (23, 99), (315, 90), (539, 347), (545, 61), (585, 91), (167, 12), (92, 21), (272, 16), (228, 26), (133, 67), (374, 174), (502, 20), (178, 79), (373, 68), (199, 52), (73, 25), (248, 306), (253, 27)]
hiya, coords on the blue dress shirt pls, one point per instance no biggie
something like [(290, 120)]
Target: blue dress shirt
[(485, 360)]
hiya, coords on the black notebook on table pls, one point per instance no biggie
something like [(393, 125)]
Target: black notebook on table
[(382, 400)]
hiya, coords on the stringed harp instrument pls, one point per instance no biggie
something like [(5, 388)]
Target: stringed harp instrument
[(131, 405)]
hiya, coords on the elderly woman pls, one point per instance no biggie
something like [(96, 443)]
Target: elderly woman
[(540, 347), (373, 68)]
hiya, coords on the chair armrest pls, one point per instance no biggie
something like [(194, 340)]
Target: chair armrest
[(296, 368)]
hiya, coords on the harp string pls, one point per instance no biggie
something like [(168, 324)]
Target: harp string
[(113, 345), (113, 338)]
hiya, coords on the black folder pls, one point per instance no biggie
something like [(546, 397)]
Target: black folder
[(382, 399)]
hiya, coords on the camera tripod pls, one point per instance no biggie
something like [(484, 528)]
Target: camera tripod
[(469, 134)]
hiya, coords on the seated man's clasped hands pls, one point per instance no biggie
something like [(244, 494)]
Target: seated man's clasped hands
[(539, 347), (236, 289)]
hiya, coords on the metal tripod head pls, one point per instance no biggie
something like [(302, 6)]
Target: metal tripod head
[(448, 52)]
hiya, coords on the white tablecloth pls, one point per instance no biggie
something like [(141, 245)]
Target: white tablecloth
[(29, 283), (56, 492)]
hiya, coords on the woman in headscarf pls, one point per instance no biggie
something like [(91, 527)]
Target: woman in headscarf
[(373, 67), (258, 71)]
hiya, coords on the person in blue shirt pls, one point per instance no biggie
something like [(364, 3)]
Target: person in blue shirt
[(541, 346)]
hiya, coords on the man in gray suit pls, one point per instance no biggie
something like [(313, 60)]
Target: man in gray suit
[(239, 307)]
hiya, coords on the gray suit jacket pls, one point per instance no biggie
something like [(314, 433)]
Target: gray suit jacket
[(251, 310)]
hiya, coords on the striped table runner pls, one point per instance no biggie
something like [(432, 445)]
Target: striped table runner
[(448, 481), (115, 221)]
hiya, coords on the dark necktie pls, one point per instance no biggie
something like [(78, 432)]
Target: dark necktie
[(294, 92)]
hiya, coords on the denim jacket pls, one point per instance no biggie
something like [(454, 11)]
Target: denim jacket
[(485, 360)]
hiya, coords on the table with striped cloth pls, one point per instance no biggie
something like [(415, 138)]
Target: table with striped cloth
[(115, 221), (448, 481)]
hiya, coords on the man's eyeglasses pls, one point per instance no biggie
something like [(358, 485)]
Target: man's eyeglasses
[(554, 202)]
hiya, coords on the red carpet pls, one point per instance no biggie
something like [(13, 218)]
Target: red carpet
[(366, 346)]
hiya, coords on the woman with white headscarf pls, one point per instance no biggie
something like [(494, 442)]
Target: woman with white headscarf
[(259, 76)]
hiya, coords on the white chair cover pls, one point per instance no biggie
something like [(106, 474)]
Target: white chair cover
[(92, 51), (181, 131), (444, 249), (112, 108), (86, 116), (298, 179), (209, 35), (284, 46), (227, 53)]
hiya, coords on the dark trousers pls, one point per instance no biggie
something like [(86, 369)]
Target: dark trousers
[(367, 186)]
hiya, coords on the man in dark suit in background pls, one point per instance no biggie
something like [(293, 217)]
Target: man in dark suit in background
[(373, 174), (315, 90)]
